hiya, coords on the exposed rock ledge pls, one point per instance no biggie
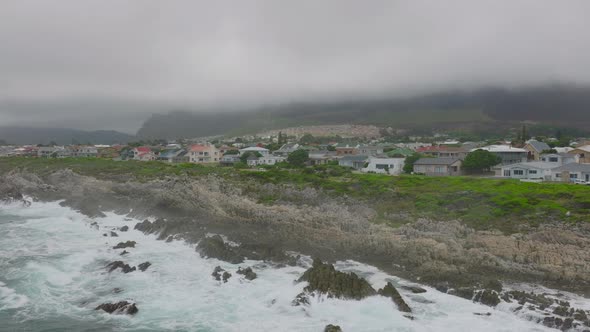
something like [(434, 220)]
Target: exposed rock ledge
[(331, 228)]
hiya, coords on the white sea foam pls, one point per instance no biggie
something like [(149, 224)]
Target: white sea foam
[(57, 270)]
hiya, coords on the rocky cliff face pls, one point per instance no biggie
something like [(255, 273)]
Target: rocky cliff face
[(444, 254)]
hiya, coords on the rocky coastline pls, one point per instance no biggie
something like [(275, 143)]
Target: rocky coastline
[(444, 254)]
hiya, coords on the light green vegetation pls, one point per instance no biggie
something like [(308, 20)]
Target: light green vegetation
[(482, 203)]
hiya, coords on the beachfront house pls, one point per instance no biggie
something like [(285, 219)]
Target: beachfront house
[(382, 165), (204, 153), (354, 161), (438, 166)]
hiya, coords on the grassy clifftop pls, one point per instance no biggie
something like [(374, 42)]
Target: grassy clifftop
[(506, 205)]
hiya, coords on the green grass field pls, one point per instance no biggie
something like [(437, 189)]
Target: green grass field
[(482, 203)]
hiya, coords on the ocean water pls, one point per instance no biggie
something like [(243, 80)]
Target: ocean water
[(52, 276)]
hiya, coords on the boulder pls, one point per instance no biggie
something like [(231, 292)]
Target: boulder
[(247, 273), (122, 307), (128, 244), (220, 274), (300, 299), (125, 252), (391, 292), (144, 266), (415, 289), (332, 328), (487, 297), (124, 228), (113, 234), (324, 278), (215, 247), (125, 268)]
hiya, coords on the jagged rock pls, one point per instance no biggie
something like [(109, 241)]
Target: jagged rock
[(300, 299), (487, 297), (125, 252), (125, 268), (143, 226), (332, 328), (105, 234), (464, 292), (324, 279), (482, 313), (122, 307), (113, 234), (415, 289), (144, 266), (124, 228), (247, 273), (561, 310), (169, 239), (580, 315), (128, 244), (117, 290), (218, 275), (553, 322), (493, 284), (215, 247), (391, 292)]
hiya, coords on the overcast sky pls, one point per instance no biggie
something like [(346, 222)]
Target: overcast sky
[(111, 63)]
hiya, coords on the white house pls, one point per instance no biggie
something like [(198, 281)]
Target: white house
[(508, 154), (270, 160), (571, 172), (530, 171), (392, 166)]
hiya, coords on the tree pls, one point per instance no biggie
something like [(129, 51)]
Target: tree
[(331, 148), (244, 157), (480, 160), (409, 162), (231, 152), (298, 157), (307, 139)]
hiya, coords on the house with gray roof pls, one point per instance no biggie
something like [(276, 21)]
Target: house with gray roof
[(355, 161), (533, 170), (571, 172), (535, 149), (438, 166)]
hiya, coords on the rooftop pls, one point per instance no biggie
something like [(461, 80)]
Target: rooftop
[(500, 148), (436, 161)]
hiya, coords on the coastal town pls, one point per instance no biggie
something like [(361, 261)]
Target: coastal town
[(364, 150)]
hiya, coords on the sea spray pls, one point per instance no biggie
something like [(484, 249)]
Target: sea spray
[(54, 260)]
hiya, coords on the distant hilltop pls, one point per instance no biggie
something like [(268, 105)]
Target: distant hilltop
[(61, 136), (345, 130), (475, 111)]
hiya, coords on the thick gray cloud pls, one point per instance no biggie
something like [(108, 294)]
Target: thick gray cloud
[(110, 63)]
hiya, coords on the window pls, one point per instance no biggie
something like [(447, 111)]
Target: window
[(553, 159), (532, 171), (518, 172), (439, 169), (506, 172), (573, 176), (557, 175)]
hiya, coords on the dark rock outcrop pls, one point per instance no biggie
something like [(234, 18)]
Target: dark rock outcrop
[(300, 299), (144, 266), (122, 307), (487, 297), (215, 247), (124, 228), (391, 292), (128, 244), (247, 273), (125, 268), (220, 274), (113, 234), (123, 253), (332, 328), (415, 289), (324, 278)]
